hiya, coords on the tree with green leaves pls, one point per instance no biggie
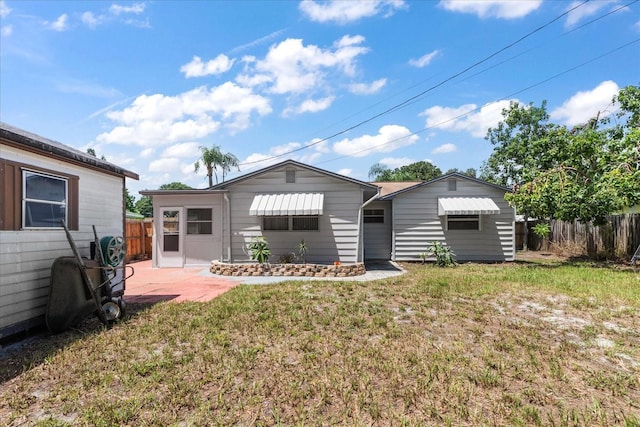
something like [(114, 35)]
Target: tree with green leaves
[(469, 172), (130, 201), (585, 173), (212, 158), (144, 206), (418, 171)]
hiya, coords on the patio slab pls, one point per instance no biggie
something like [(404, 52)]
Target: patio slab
[(151, 285)]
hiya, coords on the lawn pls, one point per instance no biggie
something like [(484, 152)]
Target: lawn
[(527, 343)]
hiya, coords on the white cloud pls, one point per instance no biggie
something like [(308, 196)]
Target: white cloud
[(367, 89), (4, 9), (136, 8), (146, 153), (467, 118), (59, 24), (86, 88), (424, 60), (444, 148), (281, 152), (6, 30), (389, 138), (345, 172), (290, 67), (311, 106), (185, 149), (396, 162), (343, 12), (585, 10), (196, 68), (159, 119), (90, 20), (163, 165), (505, 9), (584, 106)]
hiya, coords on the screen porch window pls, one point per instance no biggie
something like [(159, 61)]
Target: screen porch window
[(463, 222), (44, 200), (199, 221), (374, 216), (171, 231), (275, 223)]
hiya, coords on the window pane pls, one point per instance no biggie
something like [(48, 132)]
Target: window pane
[(199, 228), (41, 187), (374, 216), (275, 223), (305, 223), (170, 222), (199, 214), (171, 243), (463, 222), (44, 214)]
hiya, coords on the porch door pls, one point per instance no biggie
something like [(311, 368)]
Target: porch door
[(172, 237)]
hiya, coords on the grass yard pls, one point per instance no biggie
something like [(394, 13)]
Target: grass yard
[(528, 343)]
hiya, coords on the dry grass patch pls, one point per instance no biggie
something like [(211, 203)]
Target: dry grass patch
[(517, 344)]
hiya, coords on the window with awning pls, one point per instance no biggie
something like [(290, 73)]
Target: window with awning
[(467, 206), (287, 204)]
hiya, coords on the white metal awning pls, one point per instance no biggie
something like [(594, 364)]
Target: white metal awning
[(467, 206), (287, 204)]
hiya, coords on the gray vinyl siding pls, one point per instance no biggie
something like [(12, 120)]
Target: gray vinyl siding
[(26, 256), (338, 236), (416, 224)]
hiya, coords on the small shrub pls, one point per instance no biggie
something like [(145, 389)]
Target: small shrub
[(259, 249), (287, 258), (444, 255), (541, 230), (302, 250)]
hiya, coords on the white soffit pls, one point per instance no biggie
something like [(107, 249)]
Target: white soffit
[(287, 204), (467, 206)]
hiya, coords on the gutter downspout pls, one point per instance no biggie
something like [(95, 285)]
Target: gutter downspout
[(228, 214), (361, 226)]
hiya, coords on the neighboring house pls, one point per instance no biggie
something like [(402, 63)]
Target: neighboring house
[(42, 183), (339, 218)]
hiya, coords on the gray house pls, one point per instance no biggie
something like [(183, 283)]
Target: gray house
[(339, 218), (42, 182)]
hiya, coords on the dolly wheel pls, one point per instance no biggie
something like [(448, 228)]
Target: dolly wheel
[(111, 310)]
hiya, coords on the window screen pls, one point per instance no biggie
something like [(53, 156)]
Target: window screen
[(275, 223), (374, 216), (199, 221), (463, 222), (305, 223)]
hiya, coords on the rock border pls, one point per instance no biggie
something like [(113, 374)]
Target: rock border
[(292, 270)]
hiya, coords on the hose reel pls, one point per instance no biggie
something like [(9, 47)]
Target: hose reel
[(113, 250)]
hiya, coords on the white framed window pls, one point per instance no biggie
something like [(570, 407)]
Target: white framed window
[(44, 200), (291, 223), (199, 221), (375, 216), (463, 222)]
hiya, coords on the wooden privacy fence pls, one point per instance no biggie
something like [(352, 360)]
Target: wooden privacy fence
[(619, 238), (138, 239)]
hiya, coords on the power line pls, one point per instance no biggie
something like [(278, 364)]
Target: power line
[(419, 95), (507, 97)]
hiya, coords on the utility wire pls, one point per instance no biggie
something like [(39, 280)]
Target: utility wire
[(409, 100), (507, 97)]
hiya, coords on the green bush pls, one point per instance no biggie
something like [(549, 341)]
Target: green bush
[(444, 255), (259, 249)]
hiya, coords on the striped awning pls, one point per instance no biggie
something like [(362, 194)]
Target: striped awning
[(287, 204), (467, 206)]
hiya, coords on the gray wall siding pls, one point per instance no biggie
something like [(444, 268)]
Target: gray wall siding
[(337, 238), (26, 256), (417, 224)]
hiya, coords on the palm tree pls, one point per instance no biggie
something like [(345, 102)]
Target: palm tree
[(213, 157), (228, 161)]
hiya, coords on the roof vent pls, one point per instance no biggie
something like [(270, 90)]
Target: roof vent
[(290, 176), (452, 184)]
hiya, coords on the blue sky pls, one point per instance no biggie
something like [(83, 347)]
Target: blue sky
[(339, 85)]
